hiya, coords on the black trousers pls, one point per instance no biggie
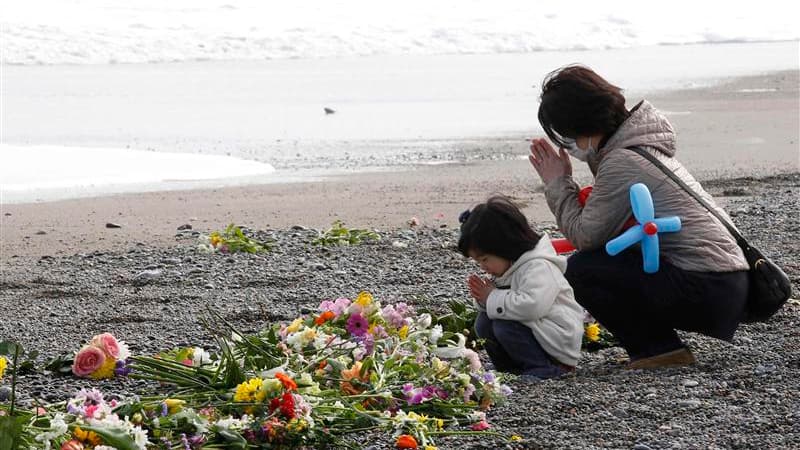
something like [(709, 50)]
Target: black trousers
[(643, 310), (513, 349)]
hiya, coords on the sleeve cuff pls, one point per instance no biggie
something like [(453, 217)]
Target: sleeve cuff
[(495, 304)]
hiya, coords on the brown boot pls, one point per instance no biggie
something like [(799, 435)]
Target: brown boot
[(676, 358)]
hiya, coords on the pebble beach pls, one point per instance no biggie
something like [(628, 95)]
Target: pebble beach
[(741, 394)]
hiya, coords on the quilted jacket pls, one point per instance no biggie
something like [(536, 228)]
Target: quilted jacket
[(703, 243)]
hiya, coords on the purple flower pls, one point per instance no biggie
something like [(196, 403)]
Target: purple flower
[(185, 442), (357, 325), (164, 409), (339, 305), (326, 305), (392, 317), (122, 369), (92, 396), (379, 332), (369, 343), (415, 396), (488, 377)]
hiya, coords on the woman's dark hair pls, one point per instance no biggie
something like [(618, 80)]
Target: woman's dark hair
[(498, 228), (576, 101)]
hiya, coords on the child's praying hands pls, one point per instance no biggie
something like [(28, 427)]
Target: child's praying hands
[(480, 288)]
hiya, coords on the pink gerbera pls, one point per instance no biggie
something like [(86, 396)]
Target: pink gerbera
[(357, 325)]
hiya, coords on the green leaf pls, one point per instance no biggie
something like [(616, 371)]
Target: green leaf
[(232, 439), (11, 432), (10, 347), (113, 437)]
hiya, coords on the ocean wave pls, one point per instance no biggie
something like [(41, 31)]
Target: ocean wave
[(103, 32)]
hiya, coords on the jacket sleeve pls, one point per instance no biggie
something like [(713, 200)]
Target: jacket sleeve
[(607, 208), (532, 299)]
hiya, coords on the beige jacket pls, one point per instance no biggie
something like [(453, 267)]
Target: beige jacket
[(536, 294), (702, 244)]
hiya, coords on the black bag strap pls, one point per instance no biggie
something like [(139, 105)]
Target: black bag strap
[(648, 156)]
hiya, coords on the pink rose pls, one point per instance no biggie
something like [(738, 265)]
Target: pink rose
[(88, 359), (108, 343), (480, 426)]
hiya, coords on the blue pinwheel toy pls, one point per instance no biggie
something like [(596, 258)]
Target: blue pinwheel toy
[(646, 231)]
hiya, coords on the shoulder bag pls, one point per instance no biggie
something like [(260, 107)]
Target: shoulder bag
[(769, 286)]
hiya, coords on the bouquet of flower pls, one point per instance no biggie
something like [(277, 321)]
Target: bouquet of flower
[(351, 367), (103, 357), (595, 337), (232, 240)]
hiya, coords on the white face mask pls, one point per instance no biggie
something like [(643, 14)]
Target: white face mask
[(576, 152)]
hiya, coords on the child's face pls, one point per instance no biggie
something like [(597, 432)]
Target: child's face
[(491, 264)]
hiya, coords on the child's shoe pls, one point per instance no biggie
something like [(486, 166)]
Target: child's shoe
[(675, 358)]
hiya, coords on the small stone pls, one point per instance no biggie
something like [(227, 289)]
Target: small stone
[(298, 228), (209, 286), (113, 225), (690, 403), (641, 447), (40, 232), (398, 244), (690, 383), (185, 226), (147, 276), (5, 393)]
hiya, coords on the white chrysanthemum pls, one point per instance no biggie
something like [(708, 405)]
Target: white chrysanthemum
[(124, 352), (229, 423), (295, 340), (57, 429), (140, 437), (436, 334), (424, 321), (477, 416)]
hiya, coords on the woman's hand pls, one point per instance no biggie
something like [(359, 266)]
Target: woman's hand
[(549, 164), (479, 288)]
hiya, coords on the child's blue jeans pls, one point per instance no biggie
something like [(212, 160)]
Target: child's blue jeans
[(512, 348)]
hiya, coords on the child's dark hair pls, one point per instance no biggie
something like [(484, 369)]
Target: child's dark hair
[(498, 228), (576, 101)]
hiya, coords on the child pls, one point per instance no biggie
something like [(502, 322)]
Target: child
[(527, 314)]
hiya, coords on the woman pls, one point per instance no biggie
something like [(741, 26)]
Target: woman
[(701, 285)]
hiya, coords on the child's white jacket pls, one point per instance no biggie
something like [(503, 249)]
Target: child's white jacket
[(538, 296)]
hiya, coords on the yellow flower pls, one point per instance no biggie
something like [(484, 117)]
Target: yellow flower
[(403, 332), (3, 365), (87, 436), (431, 447), (308, 335), (516, 438), (174, 405), (105, 371), (249, 391), (364, 299), (294, 326), (215, 239), (297, 425), (439, 423), (593, 332)]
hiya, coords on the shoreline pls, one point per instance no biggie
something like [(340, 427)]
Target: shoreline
[(745, 127)]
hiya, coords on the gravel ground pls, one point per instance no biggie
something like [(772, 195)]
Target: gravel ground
[(740, 395)]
